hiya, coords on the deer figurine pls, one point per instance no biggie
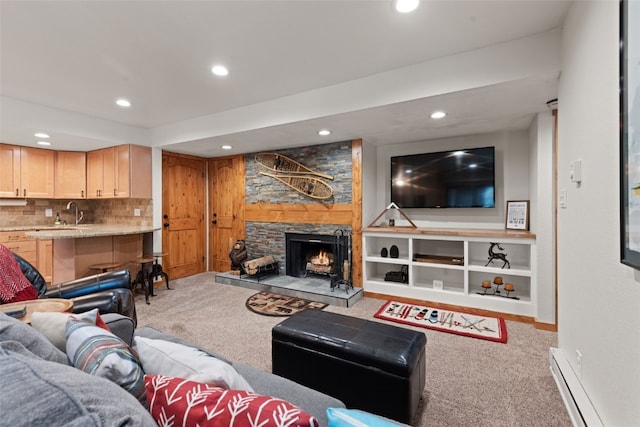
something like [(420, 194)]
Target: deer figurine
[(497, 255)]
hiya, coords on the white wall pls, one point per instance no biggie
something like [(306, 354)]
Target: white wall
[(512, 178), (541, 186), (598, 297), (370, 209)]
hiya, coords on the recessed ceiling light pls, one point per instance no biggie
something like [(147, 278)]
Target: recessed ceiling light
[(438, 114), (220, 70), (226, 147), (324, 132), (43, 143), (41, 135), (406, 6), (123, 102)]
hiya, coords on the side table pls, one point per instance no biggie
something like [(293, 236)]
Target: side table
[(44, 304)]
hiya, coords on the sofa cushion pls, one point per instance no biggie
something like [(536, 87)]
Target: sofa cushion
[(53, 325), (37, 392), (311, 401), (14, 330), (170, 359), (195, 403), (149, 332), (14, 286), (99, 352)]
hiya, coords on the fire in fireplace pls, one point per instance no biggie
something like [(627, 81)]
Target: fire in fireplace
[(319, 254), (322, 263)]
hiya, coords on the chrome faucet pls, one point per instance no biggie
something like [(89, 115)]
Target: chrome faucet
[(78, 219)]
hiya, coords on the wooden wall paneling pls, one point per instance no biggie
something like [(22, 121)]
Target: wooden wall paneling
[(127, 248), (316, 213), (91, 250), (356, 215)]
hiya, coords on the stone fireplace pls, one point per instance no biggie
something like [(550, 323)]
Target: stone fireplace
[(317, 255)]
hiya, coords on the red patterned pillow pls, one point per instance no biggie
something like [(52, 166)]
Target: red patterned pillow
[(14, 286), (178, 402)]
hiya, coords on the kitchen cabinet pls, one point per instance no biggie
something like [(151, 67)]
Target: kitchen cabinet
[(70, 175), (38, 253), (44, 251), (26, 172), (123, 171)]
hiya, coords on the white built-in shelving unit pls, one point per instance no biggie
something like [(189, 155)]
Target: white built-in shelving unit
[(462, 270)]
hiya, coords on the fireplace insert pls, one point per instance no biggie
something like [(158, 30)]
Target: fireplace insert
[(321, 255)]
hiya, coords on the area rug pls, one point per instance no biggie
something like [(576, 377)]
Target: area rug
[(454, 322), (270, 304)]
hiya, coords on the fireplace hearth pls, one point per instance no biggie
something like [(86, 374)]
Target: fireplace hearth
[(321, 255)]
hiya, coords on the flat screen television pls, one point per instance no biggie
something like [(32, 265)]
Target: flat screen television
[(445, 179)]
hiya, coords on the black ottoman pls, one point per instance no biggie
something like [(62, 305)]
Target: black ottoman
[(368, 365)]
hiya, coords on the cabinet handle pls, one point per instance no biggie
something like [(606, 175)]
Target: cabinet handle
[(82, 194), (17, 192), (24, 192), (115, 192)]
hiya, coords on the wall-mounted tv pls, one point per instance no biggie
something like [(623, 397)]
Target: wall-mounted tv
[(445, 179)]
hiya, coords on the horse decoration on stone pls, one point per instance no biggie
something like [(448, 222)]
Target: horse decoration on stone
[(497, 255)]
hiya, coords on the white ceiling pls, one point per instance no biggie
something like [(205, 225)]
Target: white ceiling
[(287, 60)]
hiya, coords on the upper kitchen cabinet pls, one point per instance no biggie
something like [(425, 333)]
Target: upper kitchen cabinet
[(123, 171), (71, 175), (26, 172)]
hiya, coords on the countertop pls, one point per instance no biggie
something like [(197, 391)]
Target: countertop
[(80, 231)]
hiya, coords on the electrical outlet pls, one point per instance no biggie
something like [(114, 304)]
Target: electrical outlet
[(136, 212), (579, 363), (562, 198), (48, 212), (438, 284)]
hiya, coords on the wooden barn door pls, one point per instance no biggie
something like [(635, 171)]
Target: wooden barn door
[(183, 214)]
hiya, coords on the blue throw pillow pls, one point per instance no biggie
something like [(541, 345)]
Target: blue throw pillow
[(341, 417)]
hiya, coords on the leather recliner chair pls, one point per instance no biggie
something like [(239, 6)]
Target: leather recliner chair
[(108, 292)]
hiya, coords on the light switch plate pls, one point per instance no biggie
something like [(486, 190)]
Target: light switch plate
[(438, 285), (48, 212), (136, 212), (575, 171)]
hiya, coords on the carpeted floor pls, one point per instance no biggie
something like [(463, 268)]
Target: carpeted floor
[(469, 382)]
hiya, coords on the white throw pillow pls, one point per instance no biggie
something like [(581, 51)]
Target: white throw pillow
[(160, 357), (52, 325)]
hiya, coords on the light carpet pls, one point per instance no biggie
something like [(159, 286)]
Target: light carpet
[(468, 382)]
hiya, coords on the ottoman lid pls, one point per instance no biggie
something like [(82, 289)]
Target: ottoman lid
[(390, 348)]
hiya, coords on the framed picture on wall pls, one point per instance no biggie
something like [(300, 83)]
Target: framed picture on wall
[(517, 215), (630, 133)]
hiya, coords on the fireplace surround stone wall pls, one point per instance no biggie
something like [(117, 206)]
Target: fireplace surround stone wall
[(268, 238)]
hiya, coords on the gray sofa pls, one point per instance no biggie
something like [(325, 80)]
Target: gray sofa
[(37, 382)]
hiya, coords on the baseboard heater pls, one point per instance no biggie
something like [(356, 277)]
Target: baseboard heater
[(578, 404)]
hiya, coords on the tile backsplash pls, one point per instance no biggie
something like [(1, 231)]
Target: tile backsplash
[(107, 211)]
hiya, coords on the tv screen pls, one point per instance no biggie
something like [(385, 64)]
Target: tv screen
[(446, 179)]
